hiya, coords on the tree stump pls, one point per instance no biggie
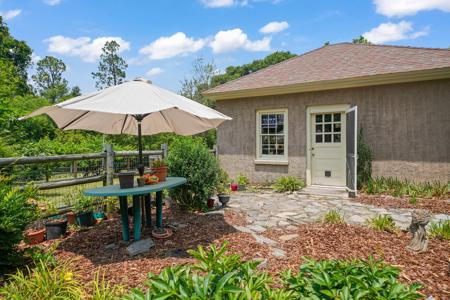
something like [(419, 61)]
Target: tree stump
[(419, 242)]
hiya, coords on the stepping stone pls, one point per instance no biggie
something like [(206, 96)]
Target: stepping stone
[(288, 237), (263, 240), (286, 214), (283, 223), (111, 247), (140, 247), (257, 228), (243, 229), (278, 252)]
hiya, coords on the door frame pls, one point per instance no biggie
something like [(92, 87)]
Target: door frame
[(314, 109)]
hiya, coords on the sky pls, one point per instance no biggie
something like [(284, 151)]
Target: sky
[(161, 38)]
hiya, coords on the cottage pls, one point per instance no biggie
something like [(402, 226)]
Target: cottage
[(300, 117)]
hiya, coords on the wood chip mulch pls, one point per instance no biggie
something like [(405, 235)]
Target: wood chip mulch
[(318, 241), (437, 206)]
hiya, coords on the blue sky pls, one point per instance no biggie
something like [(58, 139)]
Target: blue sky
[(161, 38)]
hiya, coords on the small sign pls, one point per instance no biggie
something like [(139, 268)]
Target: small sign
[(327, 173)]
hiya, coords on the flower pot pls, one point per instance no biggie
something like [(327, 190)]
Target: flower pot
[(126, 180), (140, 181), (160, 172), (86, 219), (234, 187), (55, 229), (241, 187), (99, 216), (33, 237), (224, 199), (70, 216), (210, 202)]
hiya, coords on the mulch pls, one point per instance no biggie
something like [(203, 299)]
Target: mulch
[(437, 206), (318, 241)]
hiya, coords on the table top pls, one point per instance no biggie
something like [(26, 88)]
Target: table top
[(115, 190)]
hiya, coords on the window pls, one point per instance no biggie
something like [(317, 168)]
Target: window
[(327, 128), (272, 135)]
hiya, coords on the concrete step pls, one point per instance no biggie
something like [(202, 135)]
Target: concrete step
[(328, 191)]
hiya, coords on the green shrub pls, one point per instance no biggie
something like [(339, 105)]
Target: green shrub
[(333, 217), (440, 230), (190, 158), (357, 279), (401, 188), (242, 179), (288, 184), (16, 213), (382, 223), (364, 165)]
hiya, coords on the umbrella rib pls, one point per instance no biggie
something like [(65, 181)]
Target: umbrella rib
[(167, 121), (73, 121), (123, 125)]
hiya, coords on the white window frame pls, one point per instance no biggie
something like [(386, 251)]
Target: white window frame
[(271, 159)]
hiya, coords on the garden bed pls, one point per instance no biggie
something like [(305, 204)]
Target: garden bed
[(319, 241), (437, 206)]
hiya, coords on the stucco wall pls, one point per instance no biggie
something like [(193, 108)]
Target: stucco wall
[(406, 125)]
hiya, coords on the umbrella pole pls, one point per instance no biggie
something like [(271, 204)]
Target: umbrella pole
[(140, 160)]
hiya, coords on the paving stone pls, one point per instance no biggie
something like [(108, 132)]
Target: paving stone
[(283, 223), (286, 214), (243, 229), (256, 228), (278, 252), (288, 237), (263, 240), (140, 247)]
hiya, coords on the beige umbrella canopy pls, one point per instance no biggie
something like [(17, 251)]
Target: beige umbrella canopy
[(135, 107)]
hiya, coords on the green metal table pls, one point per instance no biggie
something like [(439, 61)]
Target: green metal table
[(137, 193)]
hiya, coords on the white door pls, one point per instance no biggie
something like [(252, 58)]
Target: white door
[(328, 161)]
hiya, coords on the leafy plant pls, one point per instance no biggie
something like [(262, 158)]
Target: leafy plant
[(333, 217), (102, 289), (382, 223), (440, 230), (16, 213), (288, 184), (83, 203), (357, 279), (190, 158), (158, 163), (364, 165), (242, 179)]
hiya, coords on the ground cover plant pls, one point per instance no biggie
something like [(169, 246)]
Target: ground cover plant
[(333, 217), (440, 230), (382, 223), (288, 184)]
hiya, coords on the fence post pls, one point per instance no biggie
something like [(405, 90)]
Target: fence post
[(109, 163), (216, 153), (164, 149), (74, 169)]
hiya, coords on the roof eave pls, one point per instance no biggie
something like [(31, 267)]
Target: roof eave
[(379, 79)]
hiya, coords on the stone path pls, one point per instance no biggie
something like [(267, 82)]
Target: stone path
[(266, 210)]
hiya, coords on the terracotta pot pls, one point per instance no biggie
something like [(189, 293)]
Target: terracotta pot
[(33, 237), (70, 217), (160, 172), (210, 202), (234, 187), (161, 233)]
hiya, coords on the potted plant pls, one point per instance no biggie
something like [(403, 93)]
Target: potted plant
[(83, 208), (159, 169), (242, 182), (210, 202), (35, 234), (126, 180), (55, 225), (223, 194)]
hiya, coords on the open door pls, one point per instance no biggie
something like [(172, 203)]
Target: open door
[(351, 116)]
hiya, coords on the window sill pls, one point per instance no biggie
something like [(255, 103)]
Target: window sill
[(271, 162)]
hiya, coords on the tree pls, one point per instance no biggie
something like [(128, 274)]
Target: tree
[(202, 74), (48, 78), (361, 40), (111, 68)]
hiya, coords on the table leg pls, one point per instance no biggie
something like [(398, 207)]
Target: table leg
[(124, 218), (137, 217), (159, 203), (148, 210)]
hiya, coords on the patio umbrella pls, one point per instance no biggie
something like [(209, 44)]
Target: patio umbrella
[(135, 107)]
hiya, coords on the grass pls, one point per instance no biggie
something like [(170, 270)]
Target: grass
[(382, 223), (333, 217), (400, 188), (440, 230)]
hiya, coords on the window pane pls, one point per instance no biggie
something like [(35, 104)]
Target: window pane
[(280, 128), (327, 138), (280, 119), (272, 120), (265, 139), (327, 118), (280, 140), (327, 127), (265, 129), (337, 138), (337, 127), (319, 138), (265, 150), (319, 128), (272, 149), (272, 129), (264, 119), (337, 117), (318, 118), (272, 139), (280, 150)]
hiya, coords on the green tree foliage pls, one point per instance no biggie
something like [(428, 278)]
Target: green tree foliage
[(361, 40), (48, 79), (202, 74), (111, 68)]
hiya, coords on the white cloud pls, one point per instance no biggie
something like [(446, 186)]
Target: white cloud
[(10, 14), (154, 71), (274, 27), (85, 48), (399, 8), (52, 2), (35, 58), (174, 45), (391, 32), (223, 3), (235, 39)]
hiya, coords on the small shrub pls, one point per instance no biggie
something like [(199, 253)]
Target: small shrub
[(413, 200), (242, 179), (382, 223), (190, 158), (440, 230), (333, 217), (288, 184)]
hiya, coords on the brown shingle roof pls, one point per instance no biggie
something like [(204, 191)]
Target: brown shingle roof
[(340, 61)]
